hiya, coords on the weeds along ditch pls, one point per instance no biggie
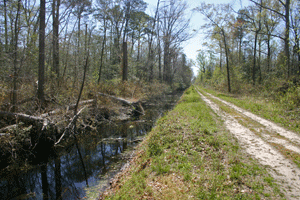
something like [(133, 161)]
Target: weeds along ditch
[(88, 161)]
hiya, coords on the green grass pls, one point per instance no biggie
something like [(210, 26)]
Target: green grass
[(190, 155), (276, 111)]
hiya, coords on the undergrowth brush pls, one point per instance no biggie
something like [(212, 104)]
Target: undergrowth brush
[(66, 93), (190, 155)]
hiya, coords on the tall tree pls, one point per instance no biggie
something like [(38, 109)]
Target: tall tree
[(15, 56), (5, 26), (286, 18), (254, 17), (41, 70), (124, 44), (103, 16), (295, 24), (150, 49), (270, 22), (218, 16), (55, 18), (174, 29)]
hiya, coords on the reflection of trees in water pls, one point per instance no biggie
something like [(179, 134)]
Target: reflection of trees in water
[(57, 175), (64, 175)]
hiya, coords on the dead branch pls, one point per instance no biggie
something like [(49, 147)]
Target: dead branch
[(74, 119), (22, 117), (70, 107), (8, 128)]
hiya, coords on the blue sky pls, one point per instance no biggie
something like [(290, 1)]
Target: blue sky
[(197, 20)]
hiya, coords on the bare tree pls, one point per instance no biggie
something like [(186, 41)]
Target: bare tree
[(174, 29), (286, 17), (217, 16)]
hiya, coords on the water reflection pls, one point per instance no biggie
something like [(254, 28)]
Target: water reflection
[(66, 173)]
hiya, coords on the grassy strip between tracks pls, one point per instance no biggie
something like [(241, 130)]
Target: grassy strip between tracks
[(190, 155), (264, 107)]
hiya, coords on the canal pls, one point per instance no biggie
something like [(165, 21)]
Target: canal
[(88, 163)]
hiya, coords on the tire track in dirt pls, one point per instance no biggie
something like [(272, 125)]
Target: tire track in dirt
[(283, 170), (268, 124)]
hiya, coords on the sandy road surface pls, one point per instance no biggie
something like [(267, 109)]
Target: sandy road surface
[(282, 169)]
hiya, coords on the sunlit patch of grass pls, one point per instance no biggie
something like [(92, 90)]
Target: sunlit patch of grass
[(190, 155)]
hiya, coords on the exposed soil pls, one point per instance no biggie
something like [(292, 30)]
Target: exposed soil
[(259, 145)]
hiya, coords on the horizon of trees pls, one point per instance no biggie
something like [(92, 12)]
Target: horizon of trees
[(48, 45), (256, 44)]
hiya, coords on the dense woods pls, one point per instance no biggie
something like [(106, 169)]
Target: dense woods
[(51, 50), (252, 47)]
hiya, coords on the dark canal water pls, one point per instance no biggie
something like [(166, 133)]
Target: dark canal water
[(93, 160)]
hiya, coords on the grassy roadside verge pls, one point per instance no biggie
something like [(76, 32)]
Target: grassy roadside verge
[(189, 155), (266, 108)]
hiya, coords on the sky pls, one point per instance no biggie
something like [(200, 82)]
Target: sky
[(191, 46)]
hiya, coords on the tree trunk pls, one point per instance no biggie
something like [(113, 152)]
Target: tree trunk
[(159, 52), (255, 44), (259, 61), (5, 26), (124, 45), (287, 37), (254, 58), (138, 50), (159, 62), (227, 61), (15, 57), (82, 84), (41, 77), (55, 18), (221, 54), (240, 49), (151, 54), (268, 54), (167, 62), (102, 50), (124, 62), (77, 59)]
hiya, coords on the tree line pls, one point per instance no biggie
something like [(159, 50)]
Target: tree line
[(48, 45), (256, 44)]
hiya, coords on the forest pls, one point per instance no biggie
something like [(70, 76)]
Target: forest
[(255, 47), (50, 50)]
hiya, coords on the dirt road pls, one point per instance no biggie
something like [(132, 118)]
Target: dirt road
[(258, 137)]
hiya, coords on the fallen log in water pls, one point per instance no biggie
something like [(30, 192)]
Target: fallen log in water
[(119, 99), (135, 104), (70, 107)]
